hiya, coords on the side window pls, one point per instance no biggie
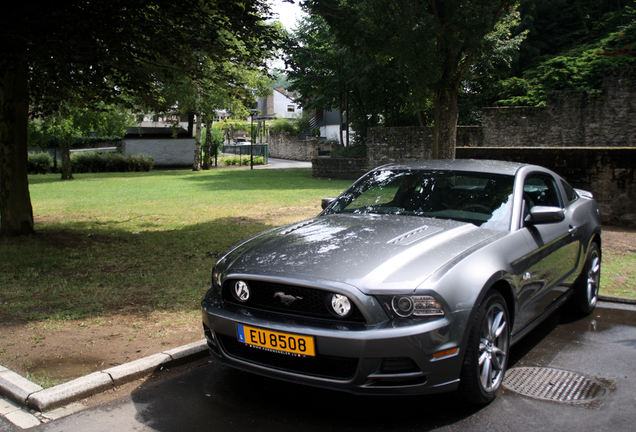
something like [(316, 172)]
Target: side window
[(541, 190), (570, 193)]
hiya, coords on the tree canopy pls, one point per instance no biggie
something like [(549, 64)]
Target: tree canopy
[(425, 48), (83, 52)]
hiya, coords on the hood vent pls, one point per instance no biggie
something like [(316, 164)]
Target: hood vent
[(298, 226), (414, 235)]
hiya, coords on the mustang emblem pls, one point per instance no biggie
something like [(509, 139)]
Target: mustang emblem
[(286, 299)]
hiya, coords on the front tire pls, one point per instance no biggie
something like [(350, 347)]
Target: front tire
[(486, 357), (587, 285)]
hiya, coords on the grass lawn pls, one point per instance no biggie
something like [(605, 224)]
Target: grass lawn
[(112, 242), (115, 242)]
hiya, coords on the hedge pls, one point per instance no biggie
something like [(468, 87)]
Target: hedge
[(39, 163), (93, 161)]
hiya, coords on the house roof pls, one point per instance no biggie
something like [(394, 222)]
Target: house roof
[(293, 95)]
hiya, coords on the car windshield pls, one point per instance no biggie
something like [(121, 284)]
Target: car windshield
[(482, 199)]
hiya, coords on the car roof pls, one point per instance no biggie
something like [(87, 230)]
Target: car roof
[(472, 165)]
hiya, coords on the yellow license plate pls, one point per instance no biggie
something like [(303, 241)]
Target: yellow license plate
[(276, 341)]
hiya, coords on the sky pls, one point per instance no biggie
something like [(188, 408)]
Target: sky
[(288, 13)]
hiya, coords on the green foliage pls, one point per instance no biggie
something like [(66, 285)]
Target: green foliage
[(242, 160), (39, 163), (285, 125), (580, 68), (235, 125), (103, 125), (392, 63), (94, 162)]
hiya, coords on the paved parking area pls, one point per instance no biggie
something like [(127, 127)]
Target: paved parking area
[(208, 396)]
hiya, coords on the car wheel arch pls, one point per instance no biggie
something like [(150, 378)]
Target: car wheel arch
[(497, 283)]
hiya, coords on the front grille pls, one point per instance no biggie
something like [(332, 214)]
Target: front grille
[(320, 366), (300, 300)]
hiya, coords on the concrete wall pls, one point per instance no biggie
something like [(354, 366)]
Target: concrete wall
[(165, 152), (284, 146)]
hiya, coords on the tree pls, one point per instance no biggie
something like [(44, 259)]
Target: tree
[(90, 50), (432, 43), (331, 75)]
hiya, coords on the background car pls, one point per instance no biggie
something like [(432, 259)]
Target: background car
[(416, 279)]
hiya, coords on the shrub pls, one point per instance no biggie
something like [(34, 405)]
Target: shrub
[(39, 163), (109, 162), (284, 125), (242, 160)]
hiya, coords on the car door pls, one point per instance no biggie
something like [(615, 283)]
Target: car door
[(555, 248)]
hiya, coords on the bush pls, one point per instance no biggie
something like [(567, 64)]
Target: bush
[(39, 163), (284, 125), (109, 162), (242, 160)]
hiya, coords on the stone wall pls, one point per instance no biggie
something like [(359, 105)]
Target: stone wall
[(346, 169), (609, 173), (570, 118), (285, 146)]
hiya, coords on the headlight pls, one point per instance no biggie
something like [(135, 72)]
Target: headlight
[(216, 277), (406, 306)]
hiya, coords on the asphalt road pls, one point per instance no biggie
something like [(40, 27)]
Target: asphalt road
[(212, 397)]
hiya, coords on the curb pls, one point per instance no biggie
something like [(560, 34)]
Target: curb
[(26, 393), (616, 299)]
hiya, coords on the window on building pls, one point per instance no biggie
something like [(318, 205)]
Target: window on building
[(291, 108)]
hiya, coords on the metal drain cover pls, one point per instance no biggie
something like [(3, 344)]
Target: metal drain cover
[(553, 385)]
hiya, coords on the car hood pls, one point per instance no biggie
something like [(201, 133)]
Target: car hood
[(374, 253)]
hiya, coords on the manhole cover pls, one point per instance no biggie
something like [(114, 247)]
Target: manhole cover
[(553, 385)]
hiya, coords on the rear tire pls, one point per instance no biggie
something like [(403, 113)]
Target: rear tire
[(587, 285), (486, 357)]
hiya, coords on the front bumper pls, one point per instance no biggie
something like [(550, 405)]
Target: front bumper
[(388, 358)]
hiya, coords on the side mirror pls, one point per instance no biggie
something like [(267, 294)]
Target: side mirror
[(326, 201), (544, 215)]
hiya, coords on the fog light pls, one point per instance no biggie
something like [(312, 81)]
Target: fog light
[(403, 306), (340, 305), (241, 291)]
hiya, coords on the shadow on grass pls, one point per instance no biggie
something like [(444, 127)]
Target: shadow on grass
[(71, 271)]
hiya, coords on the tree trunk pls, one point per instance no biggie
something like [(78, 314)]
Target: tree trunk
[(190, 124), (65, 148), (207, 148), (196, 166), (16, 213), (445, 130)]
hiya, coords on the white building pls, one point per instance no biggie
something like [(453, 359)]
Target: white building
[(280, 104)]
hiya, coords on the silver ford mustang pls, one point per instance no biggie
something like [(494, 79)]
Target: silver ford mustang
[(417, 279)]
